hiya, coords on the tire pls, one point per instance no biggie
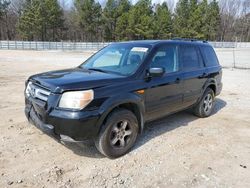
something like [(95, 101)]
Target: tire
[(206, 105), (118, 134)]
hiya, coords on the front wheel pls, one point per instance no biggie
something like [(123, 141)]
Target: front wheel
[(205, 107), (118, 133)]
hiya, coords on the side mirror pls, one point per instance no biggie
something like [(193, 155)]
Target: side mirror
[(156, 72)]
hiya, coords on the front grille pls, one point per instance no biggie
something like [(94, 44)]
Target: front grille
[(37, 92)]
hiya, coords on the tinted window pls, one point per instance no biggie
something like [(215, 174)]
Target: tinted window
[(166, 57), (209, 56), (189, 58)]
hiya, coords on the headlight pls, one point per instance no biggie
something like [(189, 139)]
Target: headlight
[(28, 89), (76, 99)]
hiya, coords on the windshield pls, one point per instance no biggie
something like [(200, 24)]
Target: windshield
[(123, 59)]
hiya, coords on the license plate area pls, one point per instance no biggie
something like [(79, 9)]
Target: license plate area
[(39, 109), (49, 129)]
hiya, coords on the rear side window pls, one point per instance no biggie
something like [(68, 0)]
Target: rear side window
[(189, 58), (209, 56)]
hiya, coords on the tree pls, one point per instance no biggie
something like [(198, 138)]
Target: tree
[(89, 18), (41, 20), (4, 5), (86, 20), (181, 18), (199, 20), (162, 22), (194, 20), (121, 30), (30, 20), (113, 10), (140, 21), (213, 20), (110, 18), (228, 14), (54, 19), (205, 24)]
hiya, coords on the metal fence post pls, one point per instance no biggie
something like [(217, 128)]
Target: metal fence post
[(234, 60)]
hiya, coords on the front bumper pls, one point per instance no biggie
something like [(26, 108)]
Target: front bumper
[(62, 124)]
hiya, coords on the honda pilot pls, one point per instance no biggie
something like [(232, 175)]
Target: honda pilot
[(110, 97)]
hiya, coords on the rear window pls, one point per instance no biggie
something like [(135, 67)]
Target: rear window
[(209, 56)]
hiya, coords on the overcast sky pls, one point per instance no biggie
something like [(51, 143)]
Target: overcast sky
[(68, 3)]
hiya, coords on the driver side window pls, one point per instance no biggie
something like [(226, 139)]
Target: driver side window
[(166, 57)]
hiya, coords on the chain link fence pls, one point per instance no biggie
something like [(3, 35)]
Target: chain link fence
[(230, 54)]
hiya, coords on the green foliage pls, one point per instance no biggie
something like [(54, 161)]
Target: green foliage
[(121, 27), (118, 20), (140, 21), (195, 19), (182, 13), (89, 17), (162, 22), (112, 13), (213, 18), (41, 20)]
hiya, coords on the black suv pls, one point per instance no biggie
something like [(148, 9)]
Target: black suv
[(115, 92)]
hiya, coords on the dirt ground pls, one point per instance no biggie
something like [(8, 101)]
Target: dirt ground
[(177, 151)]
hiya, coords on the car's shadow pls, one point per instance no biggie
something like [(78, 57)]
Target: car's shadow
[(171, 122), (151, 130)]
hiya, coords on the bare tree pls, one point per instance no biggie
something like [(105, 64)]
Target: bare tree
[(229, 10)]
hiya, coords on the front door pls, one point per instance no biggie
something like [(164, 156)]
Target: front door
[(164, 94)]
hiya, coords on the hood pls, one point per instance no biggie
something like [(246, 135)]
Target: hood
[(75, 79)]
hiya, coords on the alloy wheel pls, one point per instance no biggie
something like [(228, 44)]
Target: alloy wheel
[(121, 134), (208, 103)]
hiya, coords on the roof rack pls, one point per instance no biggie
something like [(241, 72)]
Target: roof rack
[(188, 39)]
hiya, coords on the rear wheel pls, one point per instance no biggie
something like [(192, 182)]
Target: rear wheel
[(118, 134), (205, 107)]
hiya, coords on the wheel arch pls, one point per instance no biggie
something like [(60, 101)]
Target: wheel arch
[(133, 104), (211, 83), (213, 87)]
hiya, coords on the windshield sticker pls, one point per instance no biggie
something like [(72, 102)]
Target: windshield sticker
[(139, 49)]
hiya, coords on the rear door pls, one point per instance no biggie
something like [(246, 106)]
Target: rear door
[(164, 94), (194, 73)]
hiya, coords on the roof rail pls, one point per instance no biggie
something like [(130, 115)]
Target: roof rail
[(188, 39)]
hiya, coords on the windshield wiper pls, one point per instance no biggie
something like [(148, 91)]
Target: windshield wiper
[(99, 70), (105, 71)]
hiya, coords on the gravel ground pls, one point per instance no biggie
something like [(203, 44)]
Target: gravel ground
[(177, 151)]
